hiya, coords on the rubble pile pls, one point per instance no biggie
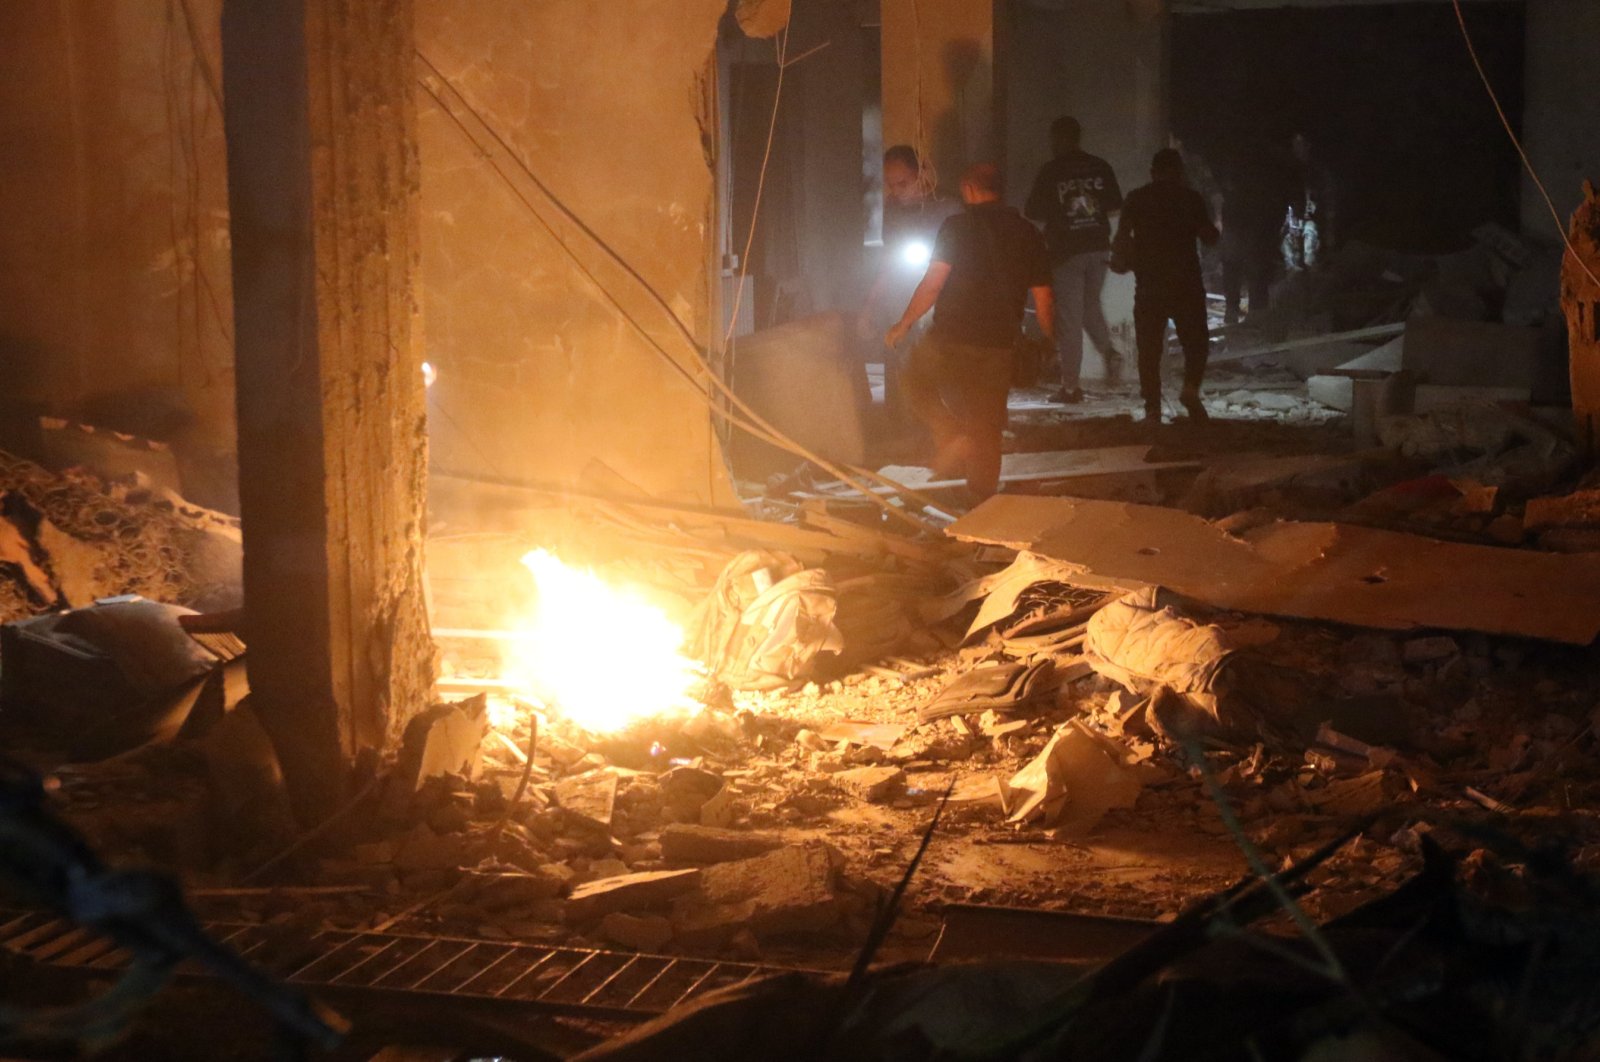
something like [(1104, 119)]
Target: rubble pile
[(69, 538)]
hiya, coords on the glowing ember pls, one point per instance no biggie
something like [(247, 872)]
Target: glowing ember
[(600, 656)]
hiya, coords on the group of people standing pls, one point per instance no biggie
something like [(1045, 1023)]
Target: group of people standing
[(985, 261)]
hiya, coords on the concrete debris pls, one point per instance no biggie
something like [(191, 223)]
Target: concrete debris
[(688, 843), (685, 790), (590, 797), (444, 739), (875, 785), (629, 892), (1345, 574), (791, 890), (1578, 509), (639, 932)]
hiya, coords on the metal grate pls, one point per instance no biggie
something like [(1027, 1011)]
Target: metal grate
[(587, 981)]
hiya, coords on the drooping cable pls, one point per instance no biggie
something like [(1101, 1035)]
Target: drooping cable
[(782, 47), (748, 420), (1516, 142)]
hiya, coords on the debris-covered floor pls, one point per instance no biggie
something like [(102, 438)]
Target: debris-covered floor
[(1166, 661)]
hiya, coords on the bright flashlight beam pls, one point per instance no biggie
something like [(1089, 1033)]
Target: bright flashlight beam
[(916, 253)]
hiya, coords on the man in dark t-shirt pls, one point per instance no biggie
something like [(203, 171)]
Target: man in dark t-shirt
[(1074, 196), (986, 261), (1156, 238)]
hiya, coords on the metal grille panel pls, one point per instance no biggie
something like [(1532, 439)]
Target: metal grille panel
[(572, 980)]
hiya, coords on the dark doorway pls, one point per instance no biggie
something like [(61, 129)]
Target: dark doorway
[(1387, 94)]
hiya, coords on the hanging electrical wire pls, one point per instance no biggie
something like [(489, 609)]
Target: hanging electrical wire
[(782, 48), (746, 418), (1527, 163)]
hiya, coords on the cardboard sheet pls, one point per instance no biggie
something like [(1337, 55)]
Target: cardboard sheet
[(1334, 572)]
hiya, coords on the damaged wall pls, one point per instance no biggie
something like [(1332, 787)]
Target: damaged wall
[(115, 294), (609, 105)]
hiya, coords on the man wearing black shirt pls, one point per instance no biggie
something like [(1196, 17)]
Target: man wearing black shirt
[(1156, 238), (1074, 195), (986, 261)]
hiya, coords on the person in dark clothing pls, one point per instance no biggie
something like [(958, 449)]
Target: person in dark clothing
[(912, 214), (1074, 195), (1254, 200), (986, 261), (1156, 239)]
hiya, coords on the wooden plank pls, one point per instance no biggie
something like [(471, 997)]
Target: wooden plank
[(1339, 573)]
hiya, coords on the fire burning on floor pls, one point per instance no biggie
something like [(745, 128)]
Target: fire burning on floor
[(599, 655)]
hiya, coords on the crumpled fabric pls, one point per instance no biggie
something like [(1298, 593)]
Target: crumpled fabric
[(1142, 645), (1194, 676), (766, 622)]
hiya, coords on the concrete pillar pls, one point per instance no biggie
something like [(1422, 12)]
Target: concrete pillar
[(1580, 302), (1561, 108), (322, 170), (939, 82)]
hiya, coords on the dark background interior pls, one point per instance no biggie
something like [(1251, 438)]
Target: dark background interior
[(1388, 95)]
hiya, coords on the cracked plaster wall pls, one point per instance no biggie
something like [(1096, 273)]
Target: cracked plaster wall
[(540, 379)]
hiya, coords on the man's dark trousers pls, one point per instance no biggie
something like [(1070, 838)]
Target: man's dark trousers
[(1156, 301)]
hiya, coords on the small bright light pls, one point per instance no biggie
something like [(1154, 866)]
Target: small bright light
[(429, 374), (916, 253)]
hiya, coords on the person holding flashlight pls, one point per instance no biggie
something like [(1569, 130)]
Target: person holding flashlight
[(987, 260), (912, 216)]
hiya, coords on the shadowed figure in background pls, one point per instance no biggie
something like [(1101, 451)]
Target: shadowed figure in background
[(986, 261), (912, 215), (1156, 240), (1255, 198), (1074, 196)]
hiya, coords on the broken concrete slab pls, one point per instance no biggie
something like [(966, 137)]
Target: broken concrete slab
[(1344, 574), (629, 892), (688, 843), (790, 890), (444, 739), (875, 785), (591, 796)]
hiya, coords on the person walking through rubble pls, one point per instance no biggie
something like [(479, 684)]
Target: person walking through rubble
[(1156, 240), (986, 262), (1074, 196), (912, 214)]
